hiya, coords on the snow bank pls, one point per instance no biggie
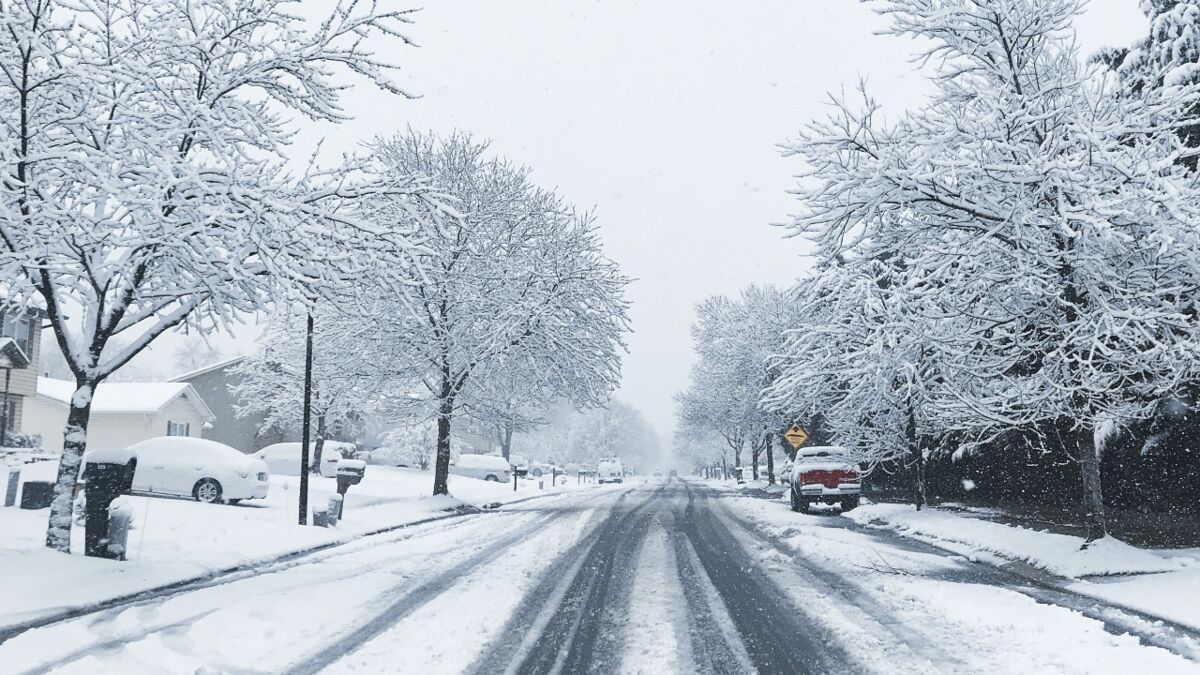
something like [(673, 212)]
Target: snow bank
[(1056, 553)]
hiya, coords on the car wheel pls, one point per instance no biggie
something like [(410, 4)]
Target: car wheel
[(491, 478), (207, 491), (805, 506), (849, 503)]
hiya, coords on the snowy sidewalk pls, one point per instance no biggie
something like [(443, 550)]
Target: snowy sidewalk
[(1159, 582), (178, 540)]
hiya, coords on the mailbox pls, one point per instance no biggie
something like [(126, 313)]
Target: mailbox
[(349, 472), (105, 478)]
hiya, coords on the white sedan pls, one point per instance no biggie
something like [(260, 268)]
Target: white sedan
[(205, 470), (483, 467), (283, 459)]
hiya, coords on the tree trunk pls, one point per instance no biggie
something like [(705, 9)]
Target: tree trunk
[(506, 441), (319, 446), (1093, 494), (918, 460), (754, 454), (441, 465), (770, 459), (724, 469), (58, 533)]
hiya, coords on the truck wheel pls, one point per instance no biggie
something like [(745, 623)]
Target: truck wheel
[(795, 500), (849, 503), (491, 478), (207, 491)]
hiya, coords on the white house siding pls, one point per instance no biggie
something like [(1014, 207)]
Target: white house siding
[(45, 417), (107, 430), (179, 411)]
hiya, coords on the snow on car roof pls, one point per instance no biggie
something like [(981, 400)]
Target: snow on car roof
[(182, 444), (482, 462), (329, 447), (822, 451)]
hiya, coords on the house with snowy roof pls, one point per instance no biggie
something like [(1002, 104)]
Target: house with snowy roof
[(247, 433), (123, 413)]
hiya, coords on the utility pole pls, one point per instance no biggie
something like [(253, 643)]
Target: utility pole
[(304, 435)]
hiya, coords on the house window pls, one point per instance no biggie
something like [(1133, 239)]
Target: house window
[(179, 428), (18, 325)]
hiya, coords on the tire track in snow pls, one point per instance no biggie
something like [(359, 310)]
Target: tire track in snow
[(420, 595), (656, 638), (576, 628), (777, 637)]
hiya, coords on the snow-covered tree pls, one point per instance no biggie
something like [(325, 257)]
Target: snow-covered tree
[(517, 282), (734, 340), (615, 429), (1050, 216), (142, 171), (864, 356), (412, 445), (346, 389)]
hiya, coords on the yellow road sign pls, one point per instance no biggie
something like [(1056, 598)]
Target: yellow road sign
[(796, 435)]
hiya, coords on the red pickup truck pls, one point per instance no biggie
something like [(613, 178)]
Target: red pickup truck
[(824, 474)]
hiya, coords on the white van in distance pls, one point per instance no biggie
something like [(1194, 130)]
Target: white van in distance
[(610, 471)]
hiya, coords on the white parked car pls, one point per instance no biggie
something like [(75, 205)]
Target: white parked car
[(208, 471), (539, 469), (610, 471), (483, 467), (283, 459)]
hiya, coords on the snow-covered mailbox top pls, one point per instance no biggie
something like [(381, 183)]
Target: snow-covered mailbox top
[(350, 472), (357, 466)]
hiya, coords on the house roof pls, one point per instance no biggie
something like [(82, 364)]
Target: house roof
[(206, 369), (126, 397)]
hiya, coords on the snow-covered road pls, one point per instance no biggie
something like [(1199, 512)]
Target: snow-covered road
[(656, 578)]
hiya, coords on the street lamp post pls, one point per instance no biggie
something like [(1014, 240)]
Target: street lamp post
[(304, 434)]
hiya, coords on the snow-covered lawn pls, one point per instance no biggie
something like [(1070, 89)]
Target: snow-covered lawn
[(973, 537), (177, 539), (1159, 582)]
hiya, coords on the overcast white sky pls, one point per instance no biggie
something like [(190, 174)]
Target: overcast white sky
[(664, 117)]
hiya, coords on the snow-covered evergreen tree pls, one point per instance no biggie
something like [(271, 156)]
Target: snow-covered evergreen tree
[(1168, 57)]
